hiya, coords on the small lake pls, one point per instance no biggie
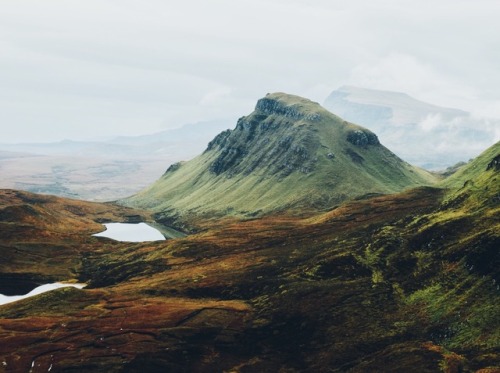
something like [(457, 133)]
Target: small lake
[(4, 299), (131, 232)]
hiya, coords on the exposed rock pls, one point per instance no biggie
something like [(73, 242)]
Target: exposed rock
[(494, 164), (261, 141), (355, 157), (174, 167), (362, 138), (229, 158), (219, 140), (272, 106)]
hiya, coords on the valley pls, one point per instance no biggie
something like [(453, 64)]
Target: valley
[(250, 186), (351, 289), (285, 259)]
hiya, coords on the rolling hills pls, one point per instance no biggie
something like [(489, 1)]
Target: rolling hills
[(315, 249), (405, 282)]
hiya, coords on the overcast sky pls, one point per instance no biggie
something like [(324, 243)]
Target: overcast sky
[(86, 68)]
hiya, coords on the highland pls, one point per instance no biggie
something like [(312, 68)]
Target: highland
[(289, 154), (400, 282), (366, 263)]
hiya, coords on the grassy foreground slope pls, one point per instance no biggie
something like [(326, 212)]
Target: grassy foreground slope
[(407, 282), (44, 238), (289, 154)]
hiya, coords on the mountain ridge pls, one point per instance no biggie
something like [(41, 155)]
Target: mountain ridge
[(288, 154)]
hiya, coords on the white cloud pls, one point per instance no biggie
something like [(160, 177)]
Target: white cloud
[(70, 67), (405, 73), (431, 122)]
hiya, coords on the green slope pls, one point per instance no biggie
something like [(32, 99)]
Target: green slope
[(289, 154), (474, 170), (406, 282), (476, 185)]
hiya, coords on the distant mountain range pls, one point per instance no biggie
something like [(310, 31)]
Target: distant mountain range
[(184, 142), (426, 135), (289, 154), (102, 170)]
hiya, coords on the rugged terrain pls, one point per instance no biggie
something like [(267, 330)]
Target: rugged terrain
[(290, 154), (404, 282)]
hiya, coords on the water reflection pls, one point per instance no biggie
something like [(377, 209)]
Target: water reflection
[(4, 299), (131, 232)]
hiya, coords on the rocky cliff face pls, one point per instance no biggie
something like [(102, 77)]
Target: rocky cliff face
[(270, 139), (362, 138), (269, 105), (494, 164), (259, 142)]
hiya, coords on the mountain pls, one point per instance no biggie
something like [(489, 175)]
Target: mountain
[(101, 170), (423, 134), (406, 282), (190, 136), (289, 154)]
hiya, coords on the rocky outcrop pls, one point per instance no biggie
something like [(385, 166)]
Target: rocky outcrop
[(174, 167), (494, 164), (264, 141), (362, 138), (219, 140), (229, 158), (271, 106)]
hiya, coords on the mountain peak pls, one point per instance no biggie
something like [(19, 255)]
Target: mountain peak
[(290, 106), (288, 154), (354, 90)]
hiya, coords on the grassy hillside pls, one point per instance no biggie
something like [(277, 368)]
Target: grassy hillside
[(43, 238), (289, 154), (474, 170), (407, 282), (404, 282)]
